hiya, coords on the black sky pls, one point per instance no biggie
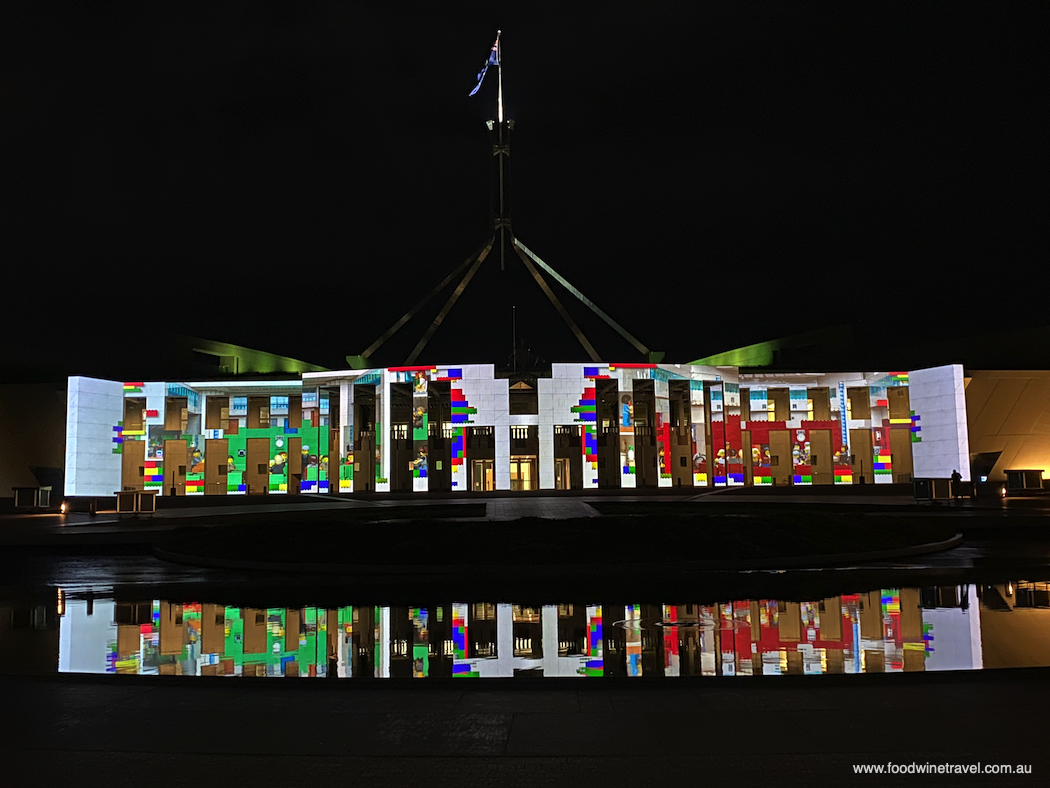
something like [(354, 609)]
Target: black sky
[(293, 177)]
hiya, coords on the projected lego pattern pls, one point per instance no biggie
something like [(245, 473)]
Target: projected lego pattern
[(801, 449), (727, 448), (566, 401), (585, 411), (153, 477), (118, 438), (461, 408), (882, 458), (663, 443), (761, 457)]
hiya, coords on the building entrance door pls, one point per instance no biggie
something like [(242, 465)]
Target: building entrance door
[(132, 465), (175, 461), (522, 473), (257, 473), (861, 456), (482, 475), (822, 466), (216, 465), (900, 450), (561, 474), (780, 456), (295, 465)]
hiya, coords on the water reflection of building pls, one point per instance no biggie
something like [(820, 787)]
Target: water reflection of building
[(887, 630), (879, 631), (506, 640), (1015, 624), (29, 634)]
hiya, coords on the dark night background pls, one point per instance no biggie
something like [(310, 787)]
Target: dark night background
[(293, 178)]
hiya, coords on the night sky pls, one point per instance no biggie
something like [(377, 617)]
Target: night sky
[(710, 174)]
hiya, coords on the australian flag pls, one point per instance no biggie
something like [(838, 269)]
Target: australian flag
[(492, 61)]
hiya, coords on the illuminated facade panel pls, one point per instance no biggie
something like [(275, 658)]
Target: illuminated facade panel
[(463, 428)]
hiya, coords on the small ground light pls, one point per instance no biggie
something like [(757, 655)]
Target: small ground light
[(64, 508), (1002, 492)]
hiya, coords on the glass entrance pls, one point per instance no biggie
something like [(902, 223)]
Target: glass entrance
[(561, 474), (482, 475), (523, 473)]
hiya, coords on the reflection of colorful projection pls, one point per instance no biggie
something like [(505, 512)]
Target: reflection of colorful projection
[(763, 635), (891, 626), (593, 647), (420, 643), (460, 650), (633, 625), (672, 659), (725, 639)]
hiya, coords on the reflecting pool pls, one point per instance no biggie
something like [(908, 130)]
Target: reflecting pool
[(885, 630)]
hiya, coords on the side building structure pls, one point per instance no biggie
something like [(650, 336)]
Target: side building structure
[(466, 428)]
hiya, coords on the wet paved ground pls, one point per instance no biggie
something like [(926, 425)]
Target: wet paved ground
[(85, 732), (107, 525), (107, 733)]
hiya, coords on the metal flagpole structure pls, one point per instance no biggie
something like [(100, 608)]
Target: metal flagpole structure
[(501, 227), (501, 151)]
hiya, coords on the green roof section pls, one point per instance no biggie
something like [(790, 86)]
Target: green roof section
[(764, 354), (761, 354), (239, 360)]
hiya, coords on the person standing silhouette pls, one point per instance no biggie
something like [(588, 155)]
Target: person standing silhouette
[(956, 484)]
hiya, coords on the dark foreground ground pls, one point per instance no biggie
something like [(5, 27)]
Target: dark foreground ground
[(78, 731), (786, 730)]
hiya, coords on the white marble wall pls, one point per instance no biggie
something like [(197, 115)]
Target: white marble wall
[(938, 397), (491, 397), (93, 407), (558, 396)]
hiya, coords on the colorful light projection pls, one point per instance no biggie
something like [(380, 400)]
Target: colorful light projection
[(586, 415)]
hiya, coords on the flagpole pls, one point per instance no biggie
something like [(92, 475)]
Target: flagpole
[(499, 76), (499, 121)]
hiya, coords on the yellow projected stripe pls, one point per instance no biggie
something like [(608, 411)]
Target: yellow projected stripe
[(900, 421)]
